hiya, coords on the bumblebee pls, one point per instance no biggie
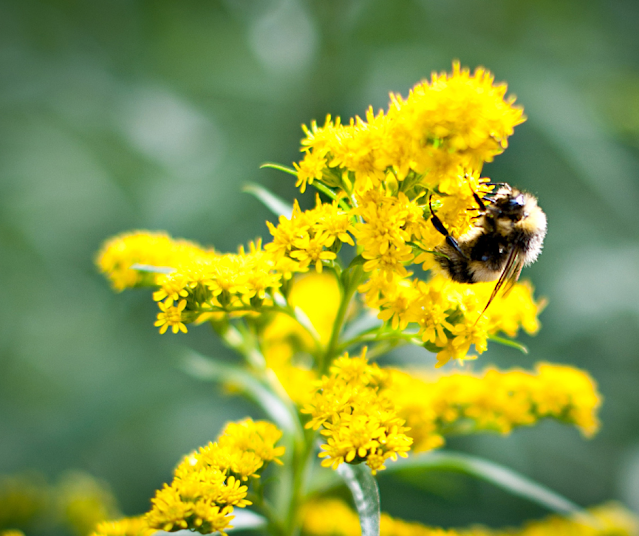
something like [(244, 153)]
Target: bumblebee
[(508, 234)]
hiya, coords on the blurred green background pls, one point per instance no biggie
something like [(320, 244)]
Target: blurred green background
[(129, 114)]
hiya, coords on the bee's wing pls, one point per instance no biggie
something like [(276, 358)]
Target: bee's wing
[(511, 272), (508, 277)]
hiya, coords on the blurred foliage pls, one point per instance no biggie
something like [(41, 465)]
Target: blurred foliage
[(74, 504), (138, 114)]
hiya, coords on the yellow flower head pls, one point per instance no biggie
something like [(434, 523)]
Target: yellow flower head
[(358, 419), (331, 517), (207, 484), (128, 526)]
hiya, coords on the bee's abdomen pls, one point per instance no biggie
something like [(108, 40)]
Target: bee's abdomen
[(457, 268), (491, 250)]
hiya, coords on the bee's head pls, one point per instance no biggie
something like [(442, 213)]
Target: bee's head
[(511, 203)]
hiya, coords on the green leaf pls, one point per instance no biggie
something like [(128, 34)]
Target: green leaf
[(279, 167), (508, 342), (206, 369), (276, 204), (363, 486), (321, 187), (496, 474)]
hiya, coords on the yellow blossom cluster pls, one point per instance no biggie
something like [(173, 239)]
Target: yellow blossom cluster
[(386, 175), (371, 414), (492, 400), (331, 517), (121, 253), (309, 238), (193, 283), (424, 154), (455, 120), (448, 314), (358, 418), (128, 526), (208, 484)]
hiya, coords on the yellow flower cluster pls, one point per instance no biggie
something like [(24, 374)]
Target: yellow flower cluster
[(390, 167), (207, 484), (128, 526), (492, 401), (448, 314), (193, 283), (333, 518), (358, 417), (371, 414), (386, 175), (120, 253), (309, 238), (456, 120)]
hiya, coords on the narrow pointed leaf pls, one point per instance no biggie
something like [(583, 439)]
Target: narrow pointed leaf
[(279, 167), (494, 473), (363, 486), (275, 204), (509, 342)]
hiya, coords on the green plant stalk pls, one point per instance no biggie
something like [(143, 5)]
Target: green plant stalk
[(350, 285), (300, 467)]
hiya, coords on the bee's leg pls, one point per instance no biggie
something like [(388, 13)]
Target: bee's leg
[(480, 202), (439, 226), (489, 196)]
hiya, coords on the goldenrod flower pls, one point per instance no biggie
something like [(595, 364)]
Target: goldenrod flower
[(128, 526), (492, 400), (291, 309), (171, 316), (309, 237), (358, 418), (331, 517), (207, 484), (388, 172), (119, 254)]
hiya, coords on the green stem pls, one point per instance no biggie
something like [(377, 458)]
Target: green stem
[(350, 281), (300, 467)]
